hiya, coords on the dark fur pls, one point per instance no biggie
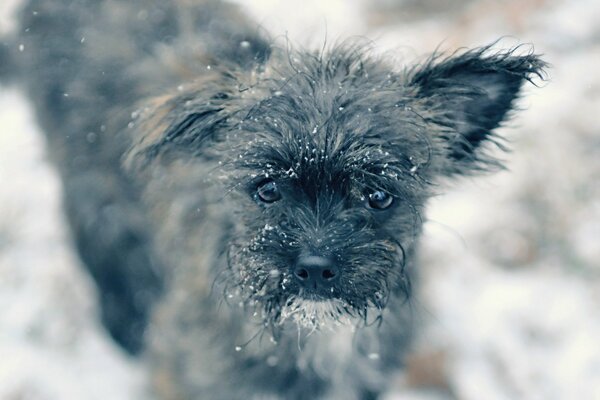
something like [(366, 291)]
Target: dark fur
[(210, 111)]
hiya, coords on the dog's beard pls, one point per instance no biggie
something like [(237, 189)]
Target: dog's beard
[(315, 314), (273, 303), (274, 300)]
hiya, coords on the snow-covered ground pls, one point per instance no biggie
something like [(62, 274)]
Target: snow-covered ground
[(510, 296)]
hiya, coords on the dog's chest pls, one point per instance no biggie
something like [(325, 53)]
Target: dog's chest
[(338, 352), (327, 351)]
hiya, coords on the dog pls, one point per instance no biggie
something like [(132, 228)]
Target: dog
[(251, 211)]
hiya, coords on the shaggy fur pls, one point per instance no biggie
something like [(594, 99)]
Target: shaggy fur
[(249, 167)]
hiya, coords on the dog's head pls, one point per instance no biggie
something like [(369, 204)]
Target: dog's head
[(325, 162)]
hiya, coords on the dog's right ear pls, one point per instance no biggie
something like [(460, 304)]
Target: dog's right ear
[(181, 124), (467, 96)]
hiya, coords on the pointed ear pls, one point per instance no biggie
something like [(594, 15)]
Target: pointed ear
[(469, 94), (181, 124)]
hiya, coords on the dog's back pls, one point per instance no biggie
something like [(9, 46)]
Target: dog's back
[(86, 64)]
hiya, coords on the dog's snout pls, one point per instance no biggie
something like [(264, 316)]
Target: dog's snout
[(316, 272)]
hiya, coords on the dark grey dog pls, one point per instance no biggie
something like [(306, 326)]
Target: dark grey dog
[(260, 241)]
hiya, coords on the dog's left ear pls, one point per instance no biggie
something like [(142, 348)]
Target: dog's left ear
[(468, 95), (184, 123)]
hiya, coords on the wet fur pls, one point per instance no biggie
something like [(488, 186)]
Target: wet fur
[(164, 120)]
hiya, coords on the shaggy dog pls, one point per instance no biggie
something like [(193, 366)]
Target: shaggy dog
[(249, 211)]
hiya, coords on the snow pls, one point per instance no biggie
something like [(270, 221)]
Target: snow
[(508, 306)]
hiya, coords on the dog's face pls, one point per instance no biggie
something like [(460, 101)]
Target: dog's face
[(327, 162)]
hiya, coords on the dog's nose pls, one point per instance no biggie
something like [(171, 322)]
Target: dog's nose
[(316, 272)]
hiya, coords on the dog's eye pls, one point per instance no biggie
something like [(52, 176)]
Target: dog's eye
[(268, 192), (380, 200)]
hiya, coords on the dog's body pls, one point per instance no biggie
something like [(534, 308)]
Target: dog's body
[(267, 222)]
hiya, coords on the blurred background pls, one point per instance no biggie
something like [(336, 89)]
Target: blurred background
[(509, 303)]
